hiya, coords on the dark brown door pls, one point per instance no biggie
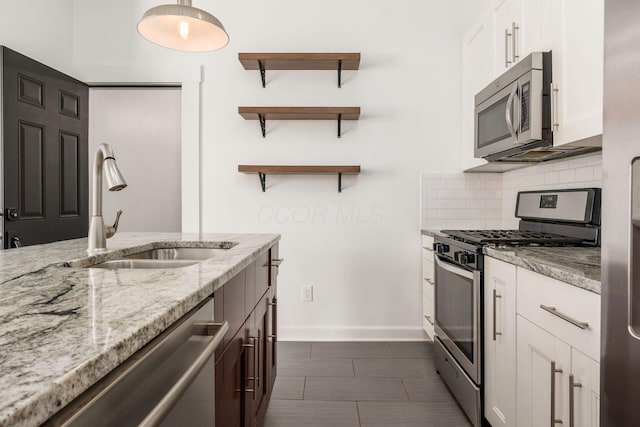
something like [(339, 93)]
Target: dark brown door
[(44, 155)]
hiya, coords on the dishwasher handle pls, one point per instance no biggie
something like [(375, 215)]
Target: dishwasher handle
[(162, 409)]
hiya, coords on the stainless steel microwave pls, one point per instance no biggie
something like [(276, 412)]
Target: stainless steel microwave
[(513, 113)]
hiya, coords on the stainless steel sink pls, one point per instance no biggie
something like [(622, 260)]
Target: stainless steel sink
[(144, 263), (159, 258), (197, 254)]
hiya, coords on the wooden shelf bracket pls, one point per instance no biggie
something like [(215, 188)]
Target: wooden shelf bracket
[(263, 124), (263, 73)]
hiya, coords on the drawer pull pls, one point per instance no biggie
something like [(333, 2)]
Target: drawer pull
[(428, 281), (429, 320), (552, 310)]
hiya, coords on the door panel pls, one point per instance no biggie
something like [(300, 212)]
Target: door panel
[(31, 158), (69, 174), (45, 157)]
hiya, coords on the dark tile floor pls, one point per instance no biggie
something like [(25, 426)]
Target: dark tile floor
[(360, 384)]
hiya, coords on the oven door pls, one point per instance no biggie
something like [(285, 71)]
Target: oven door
[(458, 314)]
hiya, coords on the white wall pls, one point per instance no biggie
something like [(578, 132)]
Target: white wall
[(143, 128), (40, 29), (357, 248)]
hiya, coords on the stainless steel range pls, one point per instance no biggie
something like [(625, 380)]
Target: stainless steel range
[(547, 218)]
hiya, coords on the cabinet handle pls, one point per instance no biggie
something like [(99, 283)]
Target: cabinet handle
[(429, 320), (572, 386), (258, 359), (254, 378), (554, 371), (428, 281), (554, 107), (506, 48), (495, 316), (514, 42), (552, 310)]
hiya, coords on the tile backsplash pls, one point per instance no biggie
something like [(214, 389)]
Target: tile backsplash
[(461, 201), (487, 200)]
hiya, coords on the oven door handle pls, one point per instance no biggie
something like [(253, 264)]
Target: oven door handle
[(453, 269)]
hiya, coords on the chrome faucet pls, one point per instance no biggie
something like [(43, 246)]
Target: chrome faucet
[(98, 232)]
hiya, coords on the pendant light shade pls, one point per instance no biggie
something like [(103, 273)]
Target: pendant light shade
[(183, 27)]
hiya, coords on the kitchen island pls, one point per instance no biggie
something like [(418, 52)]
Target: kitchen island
[(64, 328)]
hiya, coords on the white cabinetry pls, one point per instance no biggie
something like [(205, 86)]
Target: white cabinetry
[(477, 72), (558, 344), (500, 342), (586, 390), (544, 364), (506, 20), (520, 28), (578, 61), (428, 286)]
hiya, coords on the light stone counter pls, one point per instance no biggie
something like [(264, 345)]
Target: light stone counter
[(577, 266), (62, 328)]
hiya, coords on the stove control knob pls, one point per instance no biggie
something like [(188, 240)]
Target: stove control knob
[(441, 248), (465, 258)]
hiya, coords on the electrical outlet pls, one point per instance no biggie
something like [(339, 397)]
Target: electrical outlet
[(307, 293)]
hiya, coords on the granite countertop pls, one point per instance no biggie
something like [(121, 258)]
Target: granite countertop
[(574, 265), (62, 328)]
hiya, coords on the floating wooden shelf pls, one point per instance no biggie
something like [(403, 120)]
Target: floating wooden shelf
[(263, 170), (299, 61), (299, 113)]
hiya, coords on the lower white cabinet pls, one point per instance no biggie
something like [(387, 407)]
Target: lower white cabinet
[(586, 390), (428, 286), (540, 350), (544, 365), (558, 352), (500, 342)]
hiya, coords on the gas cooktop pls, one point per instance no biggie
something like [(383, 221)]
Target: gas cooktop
[(511, 237)]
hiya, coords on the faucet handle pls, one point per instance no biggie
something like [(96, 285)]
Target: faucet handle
[(110, 230)]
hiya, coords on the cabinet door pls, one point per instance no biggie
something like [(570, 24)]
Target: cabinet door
[(500, 342), (578, 49), (230, 384), (586, 390), (477, 72), (506, 17), (534, 33), (544, 365)]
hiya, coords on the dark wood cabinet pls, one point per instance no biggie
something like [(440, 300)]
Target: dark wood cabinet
[(245, 365)]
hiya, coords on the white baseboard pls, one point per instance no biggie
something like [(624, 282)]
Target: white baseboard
[(352, 334)]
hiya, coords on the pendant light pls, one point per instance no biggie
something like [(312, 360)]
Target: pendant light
[(183, 27)]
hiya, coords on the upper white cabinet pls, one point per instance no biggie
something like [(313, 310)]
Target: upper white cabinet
[(578, 61), (506, 19), (477, 72), (520, 28)]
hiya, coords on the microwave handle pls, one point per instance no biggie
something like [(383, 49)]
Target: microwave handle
[(508, 116)]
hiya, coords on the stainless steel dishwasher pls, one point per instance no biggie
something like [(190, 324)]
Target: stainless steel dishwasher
[(170, 382)]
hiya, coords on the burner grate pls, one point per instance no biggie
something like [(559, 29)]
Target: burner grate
[(511, 237)]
